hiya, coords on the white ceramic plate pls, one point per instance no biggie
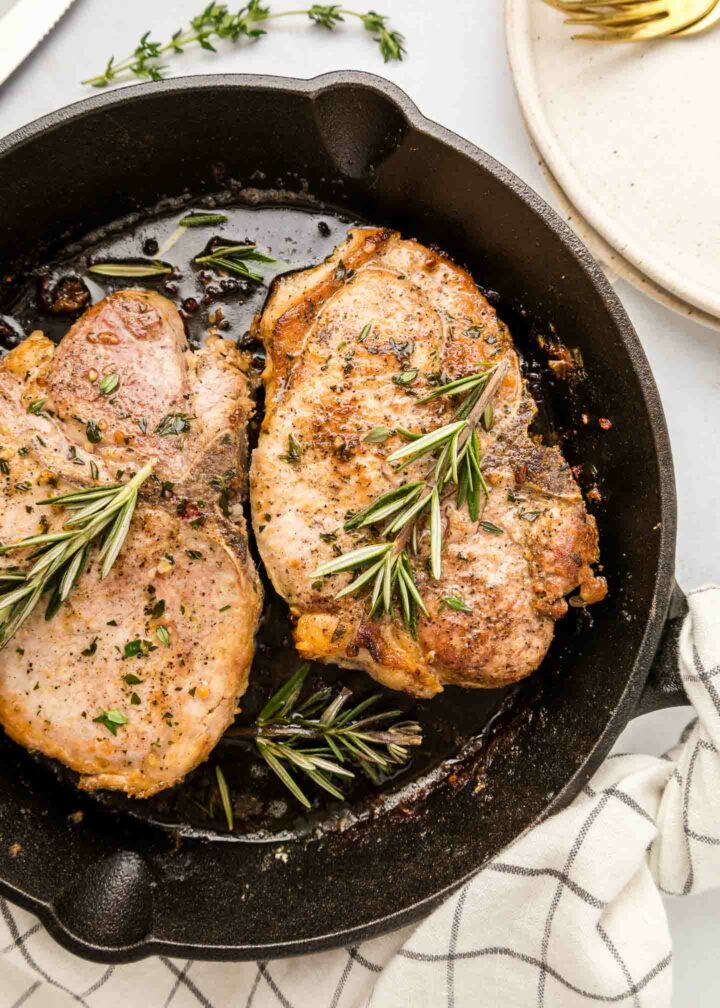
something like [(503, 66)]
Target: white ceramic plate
[(631, 134), (611, 261)]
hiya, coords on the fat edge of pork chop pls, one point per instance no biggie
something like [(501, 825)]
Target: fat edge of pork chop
[(184, 566), (329, 383)]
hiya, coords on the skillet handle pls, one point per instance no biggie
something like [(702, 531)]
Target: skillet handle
[(664, 686)]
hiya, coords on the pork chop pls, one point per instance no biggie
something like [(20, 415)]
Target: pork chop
[(353, 345), (184, 566)]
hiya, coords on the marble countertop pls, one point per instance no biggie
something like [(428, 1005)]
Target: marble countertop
[(457, 73)]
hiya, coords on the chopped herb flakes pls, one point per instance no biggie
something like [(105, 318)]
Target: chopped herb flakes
[(90, 649), (222, 485), (111, 719), (93, 432), (155, 610), (138, 648), (529, 516), (131, 680), (365, 332), (294, 452), (163, 635), (36, 406), (488, 526), (109, 384), (453, 602), (173, 423), (405, 377), (377, 435)]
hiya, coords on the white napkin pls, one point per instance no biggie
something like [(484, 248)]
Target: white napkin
[(569, 916)]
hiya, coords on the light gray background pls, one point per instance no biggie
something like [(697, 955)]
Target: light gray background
[(457, 73)]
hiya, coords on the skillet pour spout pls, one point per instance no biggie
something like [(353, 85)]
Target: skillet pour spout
[(357, 144)]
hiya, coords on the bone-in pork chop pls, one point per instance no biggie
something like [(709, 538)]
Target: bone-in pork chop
[(353, 346), (184, 569)]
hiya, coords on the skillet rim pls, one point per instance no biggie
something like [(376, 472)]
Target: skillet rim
[(664, 575)]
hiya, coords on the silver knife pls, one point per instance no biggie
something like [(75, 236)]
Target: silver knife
[(23, 24)]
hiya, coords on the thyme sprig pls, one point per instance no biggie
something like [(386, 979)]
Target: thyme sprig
[(216, 22), (100, 513), (318, 737), (454, 451)]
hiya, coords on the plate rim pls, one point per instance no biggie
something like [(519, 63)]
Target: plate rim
[(612, 261), (519, 45)]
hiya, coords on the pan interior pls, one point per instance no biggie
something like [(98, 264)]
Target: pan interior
[(298, 235), (356, 143)]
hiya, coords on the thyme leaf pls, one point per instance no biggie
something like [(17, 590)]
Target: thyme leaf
[(377, 435), (173, 423), (109, 384), (112, 720)]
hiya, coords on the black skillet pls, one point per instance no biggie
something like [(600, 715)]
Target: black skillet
[(121, 884)]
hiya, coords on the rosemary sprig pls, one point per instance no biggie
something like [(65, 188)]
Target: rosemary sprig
[(130, 269), (202, 220), (225, 798), (318, 736), (454, 451), (58, 559), (235, 258), (216, 22)]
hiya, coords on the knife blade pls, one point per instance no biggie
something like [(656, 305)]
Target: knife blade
[(23, 24)]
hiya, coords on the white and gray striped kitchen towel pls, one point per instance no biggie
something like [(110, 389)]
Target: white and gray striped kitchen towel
[(570, 916)]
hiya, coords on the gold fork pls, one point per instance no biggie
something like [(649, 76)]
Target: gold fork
[(610, 13), (625, 16), (636, 20), (704, 24)]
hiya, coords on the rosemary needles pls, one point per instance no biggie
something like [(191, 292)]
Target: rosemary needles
[(320, 738), (99, 514), (235, 259), (453, 451)]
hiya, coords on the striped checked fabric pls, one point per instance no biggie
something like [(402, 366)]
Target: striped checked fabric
[(570, 916)]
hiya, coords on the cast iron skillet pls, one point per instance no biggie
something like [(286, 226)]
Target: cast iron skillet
[(115, 888)]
